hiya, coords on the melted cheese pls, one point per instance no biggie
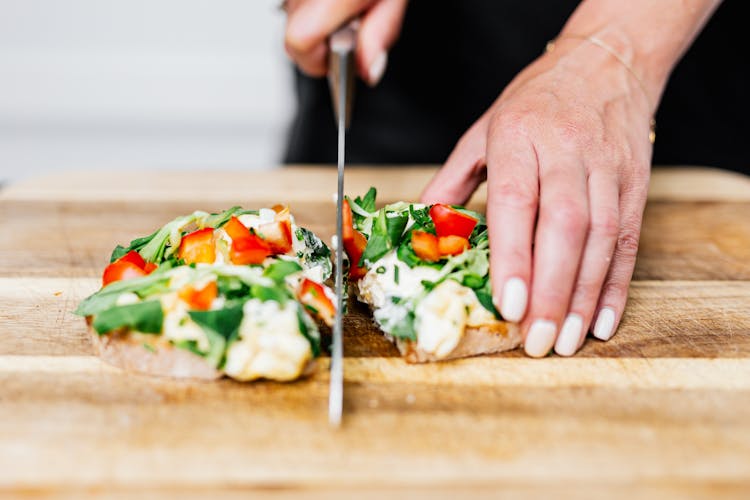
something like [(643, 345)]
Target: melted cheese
[(377, 288), (177, 324), (270, 344), (440, 319)]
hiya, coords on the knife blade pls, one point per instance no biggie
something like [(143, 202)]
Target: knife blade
[(341, 81)]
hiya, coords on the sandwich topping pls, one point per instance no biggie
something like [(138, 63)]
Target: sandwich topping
[(241, 289), (423, 269)]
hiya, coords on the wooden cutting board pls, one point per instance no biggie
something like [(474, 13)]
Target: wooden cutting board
[(663, 409)]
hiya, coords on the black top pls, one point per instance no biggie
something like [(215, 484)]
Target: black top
[(454, 58)]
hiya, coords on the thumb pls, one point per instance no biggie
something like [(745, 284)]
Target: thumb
[(379, 29), (463, 172)]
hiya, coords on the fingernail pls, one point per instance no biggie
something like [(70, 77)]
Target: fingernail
[(605, 324), (540, 338), (570, 335), (515, 297), (377, 68)]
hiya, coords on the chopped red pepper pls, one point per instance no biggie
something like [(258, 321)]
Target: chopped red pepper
[(278, 235), (134, 258), (200, 299), (452, 245), (450, 222), (250, 249), (425, 245), (121, 270), (198, 247), (313, 296), (354, 242)]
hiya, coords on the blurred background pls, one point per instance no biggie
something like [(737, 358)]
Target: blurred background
[(189, 84)]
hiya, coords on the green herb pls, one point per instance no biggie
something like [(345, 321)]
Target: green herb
[(280, 269), (264, 293), (106, 298), (312, 309), (146, 317), (316, 253), (386, 235), (404, 329), (219, 326), (149, 347), (189, 345), (309, 330), (396, 274), (221, 218), (299, 234), (380, 270)]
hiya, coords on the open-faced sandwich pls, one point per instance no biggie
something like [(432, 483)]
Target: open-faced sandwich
[(424, 272), (237, 293)]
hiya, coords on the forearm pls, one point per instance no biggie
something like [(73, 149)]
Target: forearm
[(650, 36)]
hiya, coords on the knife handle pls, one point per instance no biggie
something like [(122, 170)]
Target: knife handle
[(341, 47)]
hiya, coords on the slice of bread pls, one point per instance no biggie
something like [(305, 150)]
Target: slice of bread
[(151, 354), (491, 338)]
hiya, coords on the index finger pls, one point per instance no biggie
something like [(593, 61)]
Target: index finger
[(310, 23)]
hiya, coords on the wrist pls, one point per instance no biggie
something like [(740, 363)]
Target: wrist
[(619, 52)]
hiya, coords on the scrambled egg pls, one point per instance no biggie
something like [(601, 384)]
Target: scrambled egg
[(178, 325), (440, 318), (270, 344)]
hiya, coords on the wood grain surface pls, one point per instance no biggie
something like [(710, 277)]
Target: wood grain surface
[(661, 410)]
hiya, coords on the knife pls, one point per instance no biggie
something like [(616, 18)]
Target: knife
[(341, 81)]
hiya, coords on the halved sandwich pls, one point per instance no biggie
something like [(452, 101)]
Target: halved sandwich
[(424, 272), (238, 293)]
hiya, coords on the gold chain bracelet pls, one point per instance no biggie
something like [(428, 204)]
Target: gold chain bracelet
[(607, 48)]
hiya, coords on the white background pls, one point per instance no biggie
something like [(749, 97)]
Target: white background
[(140, 84)]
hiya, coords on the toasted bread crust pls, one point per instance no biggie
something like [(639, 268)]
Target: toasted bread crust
[(126, 350), (489, 338)]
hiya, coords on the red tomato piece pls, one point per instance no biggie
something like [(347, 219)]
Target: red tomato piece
[(425, 245), (354, 243), (450, 222), (452, 245), (134, 258), (121, 270), (199, 299), (278, 235), (313, 296), (251, 249), (150, 267), (198, 247)]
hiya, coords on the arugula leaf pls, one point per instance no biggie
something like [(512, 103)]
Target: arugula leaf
[(232, 287), (404, 329), (309, 330), (221, 218), (219, 325), (386, 235), (484, 296), (367, 202), (264, 293), (137, 244), (395, 224), (107, 296), (280, 269), (146, 317)]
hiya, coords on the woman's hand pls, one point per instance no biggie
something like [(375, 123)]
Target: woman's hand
[(311, 22), (566, 154)]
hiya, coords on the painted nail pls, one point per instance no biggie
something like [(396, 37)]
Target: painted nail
[(570, 335), (540, 338), (604, 327), (377, 68), (515, 297)]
